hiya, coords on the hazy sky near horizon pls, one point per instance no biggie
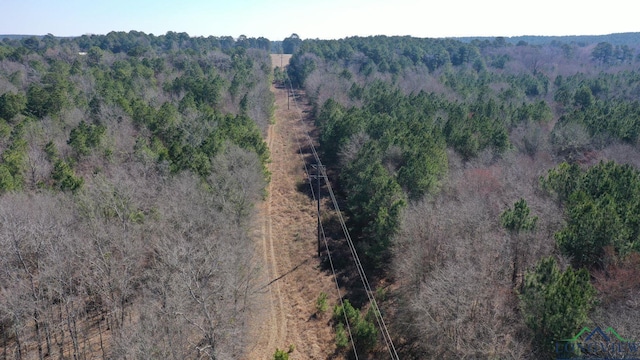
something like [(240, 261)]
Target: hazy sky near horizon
[(327, 19)]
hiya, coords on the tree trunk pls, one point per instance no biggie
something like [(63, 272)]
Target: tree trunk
[(18, 345), (104, 356), (514, 263), (47, 336), (72, 333), (4, 338), (61, 342), (36, 316)]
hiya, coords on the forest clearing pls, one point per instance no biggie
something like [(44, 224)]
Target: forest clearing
[(288, 236)]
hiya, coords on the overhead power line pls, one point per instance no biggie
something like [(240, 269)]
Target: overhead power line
[(322, 234), (363, 277)]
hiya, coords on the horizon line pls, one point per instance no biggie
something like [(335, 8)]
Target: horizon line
[(317, 38)]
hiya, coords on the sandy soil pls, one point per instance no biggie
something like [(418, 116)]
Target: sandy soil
[(287, 238)]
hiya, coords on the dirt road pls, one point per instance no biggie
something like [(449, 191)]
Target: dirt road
[(287, 238)]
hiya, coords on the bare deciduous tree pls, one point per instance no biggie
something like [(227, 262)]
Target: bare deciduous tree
[(454, 262)]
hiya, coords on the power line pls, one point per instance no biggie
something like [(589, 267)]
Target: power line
[(365, 282), (326, 244), (381, 323), (318, 176)]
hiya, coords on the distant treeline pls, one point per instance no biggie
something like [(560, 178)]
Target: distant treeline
[(629, 38), (120, 41), (135, 43)]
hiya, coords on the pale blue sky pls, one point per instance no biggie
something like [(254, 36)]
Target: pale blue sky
[(327, 19)]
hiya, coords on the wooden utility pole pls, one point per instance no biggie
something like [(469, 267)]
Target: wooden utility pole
[(317, 176)]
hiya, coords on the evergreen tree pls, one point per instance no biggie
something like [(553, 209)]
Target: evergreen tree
[(555, 303), (517, 219)]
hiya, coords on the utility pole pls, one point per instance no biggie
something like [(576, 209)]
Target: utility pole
[(318, 175)]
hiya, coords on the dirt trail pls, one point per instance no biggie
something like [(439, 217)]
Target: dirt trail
[(287, 239)]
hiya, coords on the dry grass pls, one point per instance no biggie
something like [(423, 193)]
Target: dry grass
[(288, 240), (280, 60)]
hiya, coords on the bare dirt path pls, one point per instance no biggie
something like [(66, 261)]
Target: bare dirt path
[(287, 239)]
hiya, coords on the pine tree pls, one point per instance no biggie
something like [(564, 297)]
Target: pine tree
[(554, 303)]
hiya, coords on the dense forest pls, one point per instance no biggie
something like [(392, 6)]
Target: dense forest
[(129, 168), (493, 185)]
